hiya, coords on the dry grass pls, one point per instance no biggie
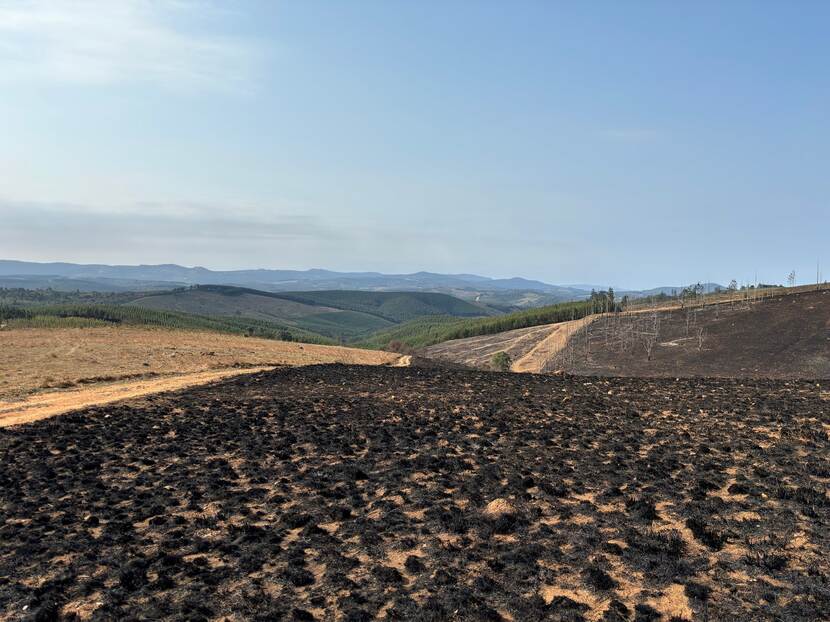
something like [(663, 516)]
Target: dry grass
[(49, 371), (535, 360), (34, 360), (478, 351)]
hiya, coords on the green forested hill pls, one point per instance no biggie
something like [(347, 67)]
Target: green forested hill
[(342, 315), (91, 315), (368, 319)]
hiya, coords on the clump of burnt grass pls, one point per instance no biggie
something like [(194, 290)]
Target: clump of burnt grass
[(708, 535), (661, 555), (597, 578)]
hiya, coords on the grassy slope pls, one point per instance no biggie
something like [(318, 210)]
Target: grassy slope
[(249, 304), (301, 316)]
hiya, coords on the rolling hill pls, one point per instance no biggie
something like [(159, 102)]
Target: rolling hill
[(343, 315), (427, 331), (99, 315), (785, 334)]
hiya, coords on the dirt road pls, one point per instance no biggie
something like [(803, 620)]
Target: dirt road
[(477, 351), (50, 404), (535, 360)]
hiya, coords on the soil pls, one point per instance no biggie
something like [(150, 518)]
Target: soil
[(411, 493)]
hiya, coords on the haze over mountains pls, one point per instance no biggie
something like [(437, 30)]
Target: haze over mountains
[(511, 292)]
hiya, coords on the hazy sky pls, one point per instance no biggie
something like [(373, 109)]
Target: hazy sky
[(635, 143)]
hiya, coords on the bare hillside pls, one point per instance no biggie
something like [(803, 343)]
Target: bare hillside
[(785, 336), (782, 337), (477, 351)]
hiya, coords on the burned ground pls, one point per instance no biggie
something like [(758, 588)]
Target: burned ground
[(356, 493), (780, 337)]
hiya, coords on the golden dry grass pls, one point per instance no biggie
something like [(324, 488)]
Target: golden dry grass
[(33, 360), (116, 362)]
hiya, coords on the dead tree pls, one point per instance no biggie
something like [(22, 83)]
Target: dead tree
[(701, 336), (650, 335)]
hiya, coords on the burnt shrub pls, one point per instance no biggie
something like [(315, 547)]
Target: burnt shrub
[(597, 578), (643, 509), (299, 577), (387, 574), (646, 613), (710, 537), (485, 584), (563, 604), (767, 560), (555, 489), (414, 564), (133, 575), (696, 591), (668, 543), (613, 548), (616, 612), (295, 520)]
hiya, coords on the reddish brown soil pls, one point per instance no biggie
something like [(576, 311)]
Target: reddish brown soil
[(357, 493), (783, 337)]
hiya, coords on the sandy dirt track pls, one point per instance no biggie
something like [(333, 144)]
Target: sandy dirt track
[(54, 403), (530, 348), (535, 360)]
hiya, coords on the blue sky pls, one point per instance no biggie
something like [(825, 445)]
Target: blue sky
[(633, 143)]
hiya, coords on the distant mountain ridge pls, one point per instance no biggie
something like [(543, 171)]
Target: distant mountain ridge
[(506, 293), (282, 279)]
